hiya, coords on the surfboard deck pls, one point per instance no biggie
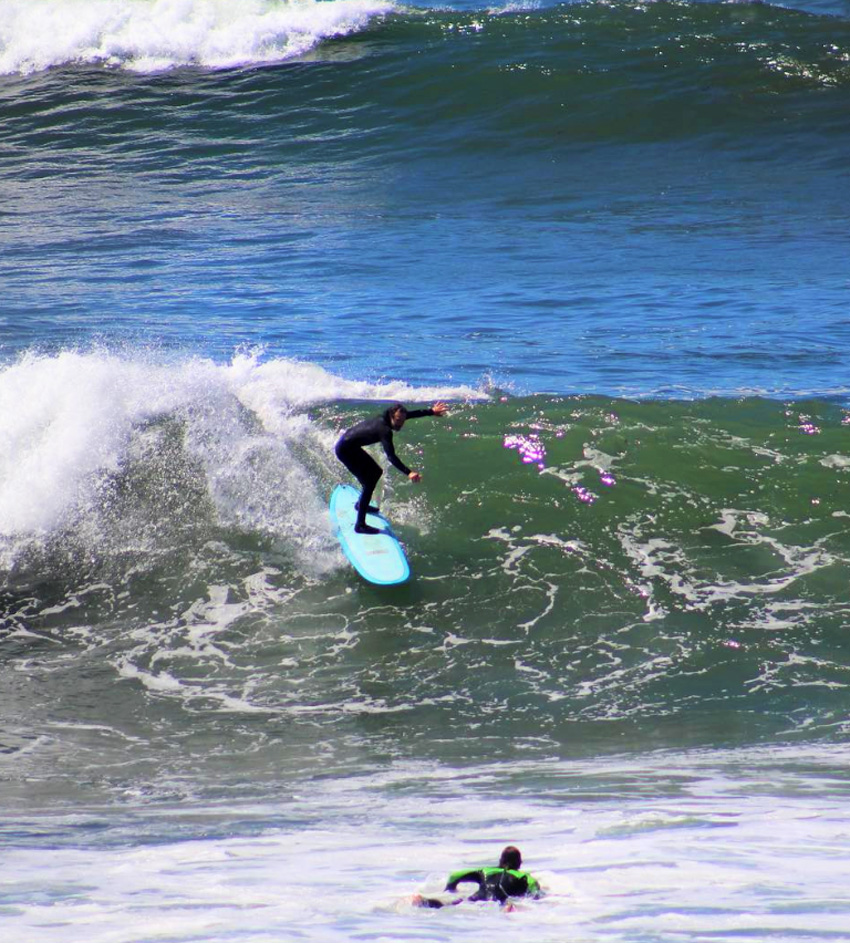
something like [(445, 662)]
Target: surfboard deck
[(378, 558)]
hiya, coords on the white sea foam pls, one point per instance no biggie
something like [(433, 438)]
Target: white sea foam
[(625, 842), (152, 35)]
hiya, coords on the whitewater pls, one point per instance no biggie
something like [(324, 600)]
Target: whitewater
[(145, 36)]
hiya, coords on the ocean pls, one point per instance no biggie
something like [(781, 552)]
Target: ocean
[(614, 237)]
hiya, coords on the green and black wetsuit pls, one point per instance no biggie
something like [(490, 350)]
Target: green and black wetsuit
[(497, 884)]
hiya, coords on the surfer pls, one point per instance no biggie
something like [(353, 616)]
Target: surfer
[(350, 451), (499, 884)]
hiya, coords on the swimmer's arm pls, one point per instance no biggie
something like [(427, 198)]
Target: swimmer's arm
[(438, 409), (534, 890), (389, 451), (460, 876)]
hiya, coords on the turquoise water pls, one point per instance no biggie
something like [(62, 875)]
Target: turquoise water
[(612, 236)]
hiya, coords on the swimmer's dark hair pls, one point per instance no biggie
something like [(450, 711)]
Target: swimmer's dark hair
[(510, 858), (394, 409)]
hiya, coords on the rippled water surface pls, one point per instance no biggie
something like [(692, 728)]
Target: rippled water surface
[(612, 236)]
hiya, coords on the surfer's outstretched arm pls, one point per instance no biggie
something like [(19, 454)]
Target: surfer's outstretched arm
[(438, 409)]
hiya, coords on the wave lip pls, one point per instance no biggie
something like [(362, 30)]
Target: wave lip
[(144, 36)]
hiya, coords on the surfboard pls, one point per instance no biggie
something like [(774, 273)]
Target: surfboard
[(378, 558)]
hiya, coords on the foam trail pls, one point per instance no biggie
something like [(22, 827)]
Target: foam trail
[(146, 36)]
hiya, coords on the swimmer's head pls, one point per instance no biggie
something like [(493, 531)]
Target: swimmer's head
[(396, 415), (510, 858)]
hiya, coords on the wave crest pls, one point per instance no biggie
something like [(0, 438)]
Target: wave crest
[(145, 36), (98, 449)]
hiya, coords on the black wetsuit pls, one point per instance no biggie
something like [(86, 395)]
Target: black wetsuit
[(349, 450)]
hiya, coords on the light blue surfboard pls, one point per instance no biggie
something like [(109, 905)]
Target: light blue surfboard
[(378, 558)]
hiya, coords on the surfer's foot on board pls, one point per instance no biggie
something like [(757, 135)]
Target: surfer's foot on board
[(370, 509), (366, 529)]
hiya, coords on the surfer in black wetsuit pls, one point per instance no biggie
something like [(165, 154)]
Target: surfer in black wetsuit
[(349, 450)]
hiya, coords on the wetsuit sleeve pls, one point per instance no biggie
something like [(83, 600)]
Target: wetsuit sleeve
[(389, 448), (458, 877), (419, 413), (533, 887)]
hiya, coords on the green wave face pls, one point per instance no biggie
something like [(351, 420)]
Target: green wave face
[(589, 575), (599, 570), (605, 71)]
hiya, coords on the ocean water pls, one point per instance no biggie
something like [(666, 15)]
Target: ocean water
[(614, 237)]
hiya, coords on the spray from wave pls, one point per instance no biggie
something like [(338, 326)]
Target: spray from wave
[(146, 36), (98, 449)]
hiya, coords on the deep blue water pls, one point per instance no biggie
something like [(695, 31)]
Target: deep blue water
[(585, 198)]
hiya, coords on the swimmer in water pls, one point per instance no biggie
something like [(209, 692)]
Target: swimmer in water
[(501, 884)]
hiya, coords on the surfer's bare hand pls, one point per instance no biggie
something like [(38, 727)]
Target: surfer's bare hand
[(439, 409), (415, 476)]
